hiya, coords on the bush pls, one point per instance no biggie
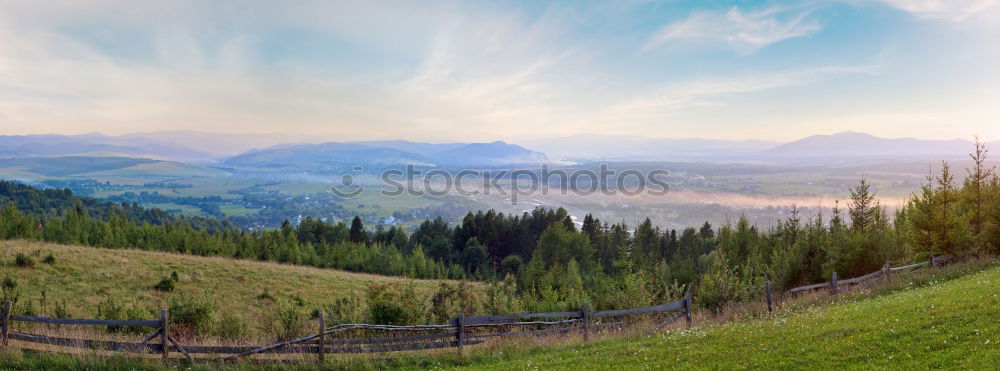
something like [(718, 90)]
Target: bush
[(502, 298), (166, 284), (9, 290), (266, 295), (111, 308), (345, 310), (49, 259), (60, 310), (390, 305), (452, 299), (192, 313), (290, 319), (511, 264), (24, 261), (233, 326)]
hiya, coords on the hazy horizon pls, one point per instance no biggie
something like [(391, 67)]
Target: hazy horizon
[(445, 71)]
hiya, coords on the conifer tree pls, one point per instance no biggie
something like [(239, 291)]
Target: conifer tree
[(358, 234), (974, 192)]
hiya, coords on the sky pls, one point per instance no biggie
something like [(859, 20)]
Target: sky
[(482, 71)]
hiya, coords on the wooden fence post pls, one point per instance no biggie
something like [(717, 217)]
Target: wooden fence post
[(833, 284), (687, 308), (932, 261), (586, 321), (6, 320), (888, 271), (460, 333), (163, 335), (767, 287), (322, 335)]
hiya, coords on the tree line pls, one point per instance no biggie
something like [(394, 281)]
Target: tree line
[(550, 263)]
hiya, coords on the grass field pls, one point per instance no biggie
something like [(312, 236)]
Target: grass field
[(951, 324), (939, 319), (83, 276)]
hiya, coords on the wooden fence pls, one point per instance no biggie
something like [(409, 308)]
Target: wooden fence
[(461, 331), (835, 284)]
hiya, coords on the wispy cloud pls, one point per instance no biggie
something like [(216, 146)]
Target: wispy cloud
[(450, 70), (704, 92), (951, 10), (743, 32)]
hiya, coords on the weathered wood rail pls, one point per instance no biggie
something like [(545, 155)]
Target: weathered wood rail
[(884, 274), (457, 333), (161, 330), (461, 331)]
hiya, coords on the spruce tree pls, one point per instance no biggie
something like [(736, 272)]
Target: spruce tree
[(358, 234), (974, 192), (863, 207)]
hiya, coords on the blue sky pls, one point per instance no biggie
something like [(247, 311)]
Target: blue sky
[(477, 71)]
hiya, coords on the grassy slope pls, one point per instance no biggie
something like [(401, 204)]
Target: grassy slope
[(953, 324), (83, 275)]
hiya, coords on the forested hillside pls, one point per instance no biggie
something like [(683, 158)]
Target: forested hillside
[(551, 262)]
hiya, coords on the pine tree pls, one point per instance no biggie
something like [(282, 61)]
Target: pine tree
[(949, 231), (974, 192), (358, 234), (863, 207), (706, 231)]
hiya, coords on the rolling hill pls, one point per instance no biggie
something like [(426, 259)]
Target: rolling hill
[(591, 147), (489, 154), (83, 276), (941, 319), (325, 154), (386, 153), (49, 145), (856, 144), (99, 166)]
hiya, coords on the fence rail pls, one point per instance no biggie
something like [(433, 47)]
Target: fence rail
[(884, 273), (459, 332)]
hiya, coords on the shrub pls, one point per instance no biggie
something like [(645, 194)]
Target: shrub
[(24, 261), (502, 298), (391, 305), (9, 290), (192, 313), (49, 259), (111, 308), (233, 326), (60, 310), (29, 309), (165, 284), (345, 310), (511, 264), (289, 319), (266, 295), (451, 299)]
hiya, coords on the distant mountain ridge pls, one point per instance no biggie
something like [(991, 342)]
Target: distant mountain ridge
[(257, 150), (51, 145), (89, 166), (590, 147), (850, 143), (378, 153)]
